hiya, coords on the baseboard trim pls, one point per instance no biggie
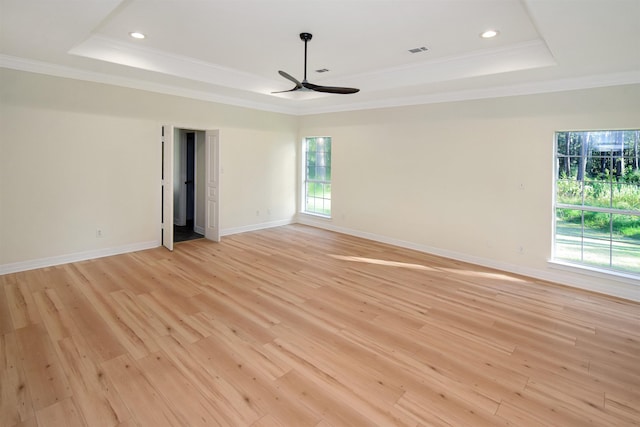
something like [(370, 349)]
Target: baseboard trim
[(627, 289), (99, 253), (75, 257), (616, 287), (255, 227)]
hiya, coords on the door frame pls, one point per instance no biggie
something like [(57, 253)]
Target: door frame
[(212, 182)]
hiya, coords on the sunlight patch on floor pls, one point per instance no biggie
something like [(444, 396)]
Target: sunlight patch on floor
[(382, 262), (458, 271), (486, 274)]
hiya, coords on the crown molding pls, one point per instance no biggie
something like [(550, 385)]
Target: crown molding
[(145, 58), (40, 67), (558, 85)]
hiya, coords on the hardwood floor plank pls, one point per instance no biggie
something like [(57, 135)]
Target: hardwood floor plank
[(439, 408), (361, 370), (245, 348), (573, 397), (139, 319), (99, 274), (342, 388), (31, 422), (98, 293), (56, 319), (190, 406), (172, 319), (270, 421), (86, 317), (626, 409), (144, 402), (261, 395), (415, 371), (527, 408), (45, 378), (228, 401), (321, 397), (6, 322), (94, 394), (63, 413), (21, 305), (235, 304), (298, 326), (37, 280), (172, 277), (15, 397), (132, 271)]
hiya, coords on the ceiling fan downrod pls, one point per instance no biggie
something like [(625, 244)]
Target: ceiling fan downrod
[(305, 85), (305, 37)]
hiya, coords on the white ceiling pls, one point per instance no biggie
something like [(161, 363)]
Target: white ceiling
[(231, 50)]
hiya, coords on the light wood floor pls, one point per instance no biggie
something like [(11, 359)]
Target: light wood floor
[(296, 326)]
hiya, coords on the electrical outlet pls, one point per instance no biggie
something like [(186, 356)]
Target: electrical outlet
[(257, 213), (99, 233)]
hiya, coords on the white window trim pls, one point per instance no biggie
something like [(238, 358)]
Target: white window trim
[(585, 269), (596, 272), (303, 180)]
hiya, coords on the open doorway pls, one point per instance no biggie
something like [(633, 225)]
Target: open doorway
[(189, 184), (189, 155)]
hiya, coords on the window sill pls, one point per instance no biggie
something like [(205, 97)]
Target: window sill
[(629, 278)]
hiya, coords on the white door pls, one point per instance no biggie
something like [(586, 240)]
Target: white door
[(167, 187), (212, 205)]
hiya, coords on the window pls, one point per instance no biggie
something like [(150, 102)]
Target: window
[(317, 176), (597, 199)]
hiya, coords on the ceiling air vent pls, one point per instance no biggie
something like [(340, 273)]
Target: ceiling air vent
[(418, 49)]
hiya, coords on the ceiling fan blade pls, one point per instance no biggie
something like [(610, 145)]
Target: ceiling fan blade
[(330, 89), (290, 77), (290, 90), (293, 79)]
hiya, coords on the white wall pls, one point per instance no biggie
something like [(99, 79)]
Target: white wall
[(472, 180), (268, 165), (76, 156)]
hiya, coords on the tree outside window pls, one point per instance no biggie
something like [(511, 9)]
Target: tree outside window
[(597, 199), (317, 176)]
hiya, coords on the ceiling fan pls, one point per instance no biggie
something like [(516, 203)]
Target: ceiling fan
[(305, 85)]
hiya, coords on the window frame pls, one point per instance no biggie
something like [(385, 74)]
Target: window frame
[(305, 180), (582, 265)]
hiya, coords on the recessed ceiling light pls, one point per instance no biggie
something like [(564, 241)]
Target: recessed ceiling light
[(489, 34), (137, 35)]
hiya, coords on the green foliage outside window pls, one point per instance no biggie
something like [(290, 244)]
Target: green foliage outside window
[(317, 183), (598, 199)]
